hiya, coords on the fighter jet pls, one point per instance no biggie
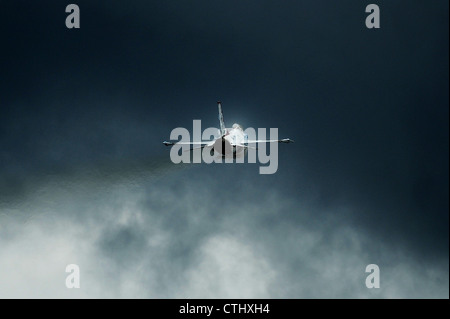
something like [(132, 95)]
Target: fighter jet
[(230, 142)]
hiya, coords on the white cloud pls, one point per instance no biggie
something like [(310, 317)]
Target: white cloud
[(228, 268), (161, 242)]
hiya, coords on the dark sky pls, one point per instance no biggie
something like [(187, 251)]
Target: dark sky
[(83, 113)]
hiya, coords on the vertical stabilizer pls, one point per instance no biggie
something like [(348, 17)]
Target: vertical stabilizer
[(223, 130)]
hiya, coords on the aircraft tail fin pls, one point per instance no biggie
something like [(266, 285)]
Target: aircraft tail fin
[(223, 130)]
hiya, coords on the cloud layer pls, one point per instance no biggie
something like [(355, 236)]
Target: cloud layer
[(173, 236)]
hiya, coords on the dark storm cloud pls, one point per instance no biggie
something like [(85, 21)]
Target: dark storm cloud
[(83, 113)]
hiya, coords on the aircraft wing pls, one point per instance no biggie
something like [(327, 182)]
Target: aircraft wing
[(284, 140), (194, 145), (205, 143)]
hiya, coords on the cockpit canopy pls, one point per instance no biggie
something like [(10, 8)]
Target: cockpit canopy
[(237, 126)]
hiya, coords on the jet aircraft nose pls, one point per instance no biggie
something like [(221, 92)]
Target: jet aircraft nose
[(223, 147)]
